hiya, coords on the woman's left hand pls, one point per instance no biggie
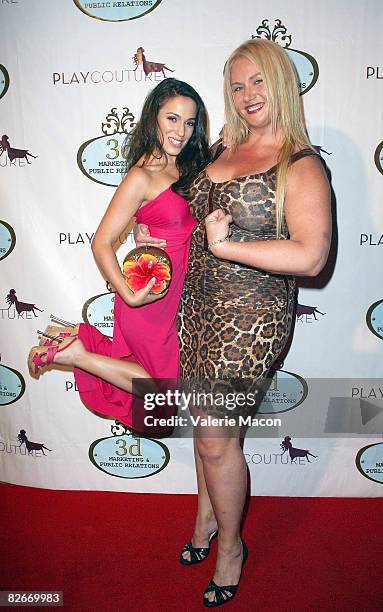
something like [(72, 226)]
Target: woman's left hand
[(217, 225)]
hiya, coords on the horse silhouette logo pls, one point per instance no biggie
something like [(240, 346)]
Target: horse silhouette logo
[(20, 307), (302, 309), (32, 447), (295, 453), (12, 152), (148, 67)]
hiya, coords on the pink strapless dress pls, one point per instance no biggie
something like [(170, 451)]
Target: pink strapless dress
[(148, 334)]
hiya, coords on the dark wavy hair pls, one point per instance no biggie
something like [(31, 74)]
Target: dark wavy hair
[(145, 138)]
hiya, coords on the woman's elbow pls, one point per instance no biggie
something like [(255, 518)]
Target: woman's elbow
[(97, 245), (317, 264)]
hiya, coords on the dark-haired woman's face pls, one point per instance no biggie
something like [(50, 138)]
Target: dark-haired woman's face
[(176, 121)]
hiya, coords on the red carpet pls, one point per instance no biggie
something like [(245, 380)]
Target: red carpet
[(118, 552)]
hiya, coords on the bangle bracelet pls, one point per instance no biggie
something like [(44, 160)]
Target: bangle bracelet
[(215, 242)]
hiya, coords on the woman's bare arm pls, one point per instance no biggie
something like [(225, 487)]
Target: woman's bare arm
[(127, 199), (308, 217)]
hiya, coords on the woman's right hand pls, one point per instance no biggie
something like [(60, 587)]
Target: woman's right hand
[(143, 238), (143, 296)]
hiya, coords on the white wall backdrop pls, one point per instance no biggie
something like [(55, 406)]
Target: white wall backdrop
[(62, 71)]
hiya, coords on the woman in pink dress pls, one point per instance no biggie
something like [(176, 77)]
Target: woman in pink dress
[(167, 149)]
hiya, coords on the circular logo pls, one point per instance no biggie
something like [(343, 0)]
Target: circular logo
[(102, 159), (369, 462), (287, 391), (4, 80), (379, 157), (12, 385), (374, 319), (128, 456), (99, 311), (117, 11), (307, 67), (7, 239)]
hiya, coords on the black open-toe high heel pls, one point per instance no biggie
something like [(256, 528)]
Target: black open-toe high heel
[(196, 554), (224, 594)]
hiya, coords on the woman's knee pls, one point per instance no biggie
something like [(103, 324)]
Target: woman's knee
[(215, 449)]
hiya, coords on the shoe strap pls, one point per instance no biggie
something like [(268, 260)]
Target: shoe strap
[(49, 353), (196, 553)]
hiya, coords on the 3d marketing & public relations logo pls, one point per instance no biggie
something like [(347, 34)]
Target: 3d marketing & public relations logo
[(103, 159), (4, 81), (126, 455), (117, 10), (374, 318), (306, 65), (7, 239), (378, 157), (369, 461), (12, 385), (99, 312), (286, 392)]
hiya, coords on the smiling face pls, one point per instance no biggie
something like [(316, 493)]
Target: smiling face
[(176, 121), (249, 93)]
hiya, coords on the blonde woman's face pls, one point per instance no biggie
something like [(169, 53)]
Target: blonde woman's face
[(249, 92)]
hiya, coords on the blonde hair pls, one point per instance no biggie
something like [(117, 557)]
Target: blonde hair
[(281, 83)]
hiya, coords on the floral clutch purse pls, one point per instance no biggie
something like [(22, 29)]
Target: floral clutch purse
[(145, 262)]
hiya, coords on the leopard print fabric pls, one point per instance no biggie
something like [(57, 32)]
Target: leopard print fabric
[(234, 319)]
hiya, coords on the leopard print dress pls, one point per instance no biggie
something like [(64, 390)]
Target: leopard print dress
[(234, 319)]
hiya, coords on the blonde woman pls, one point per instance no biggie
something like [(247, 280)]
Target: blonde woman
[(263, 211)]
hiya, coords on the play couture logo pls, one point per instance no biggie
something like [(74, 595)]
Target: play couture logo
[(142, 70), (103, 159), (308, 314), (306, 64), (117, 10), (18, 309), (290, 455), (13, 156)]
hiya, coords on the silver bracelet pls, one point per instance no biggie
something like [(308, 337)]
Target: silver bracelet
[(211, 244)]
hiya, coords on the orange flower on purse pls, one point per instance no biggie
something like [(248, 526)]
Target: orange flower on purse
[(144, 263)]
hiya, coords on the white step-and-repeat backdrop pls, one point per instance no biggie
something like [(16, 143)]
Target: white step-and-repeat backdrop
[(73, 77)]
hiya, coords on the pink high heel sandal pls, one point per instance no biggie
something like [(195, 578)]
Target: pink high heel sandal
[(52, 334), (35, 361)]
